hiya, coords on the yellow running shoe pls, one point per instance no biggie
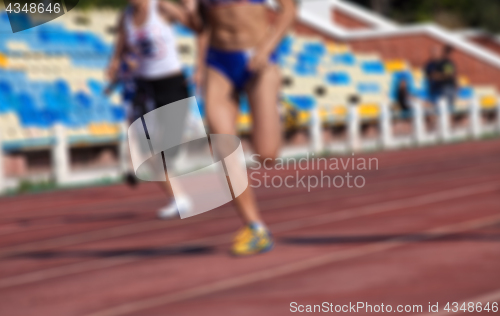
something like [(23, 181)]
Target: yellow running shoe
[(251, 240)]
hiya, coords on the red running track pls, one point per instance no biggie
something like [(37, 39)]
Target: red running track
[(424, 229)]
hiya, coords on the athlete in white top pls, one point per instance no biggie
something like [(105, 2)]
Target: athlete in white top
[(145, 30), (153, 42)]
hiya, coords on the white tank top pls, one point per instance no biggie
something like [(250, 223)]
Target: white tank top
[(153, 43)]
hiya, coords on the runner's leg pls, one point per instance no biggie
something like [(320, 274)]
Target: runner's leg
[(221, 113), (263, 93)]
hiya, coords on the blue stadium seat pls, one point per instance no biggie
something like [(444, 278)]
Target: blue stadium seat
[(56, 107), (4, 18), (307, 64), (118, 114), (310, 59), (304, 69), (82, 108), (466, 93), (402, 75), (347, 59), (5, 104), (6, 97), (302, 102), (373, 67), (421, 94), (5, 88), (20, 21), (338, 78), (27, 110), (62, 88), (244, 105), (407, 76), (315, 49), (285, 46), (83, 100), (96, 88), (181, 30)]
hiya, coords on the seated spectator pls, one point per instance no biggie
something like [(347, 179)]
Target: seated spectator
[(434, 76), (402, 125), (448, 72), (403, 99)]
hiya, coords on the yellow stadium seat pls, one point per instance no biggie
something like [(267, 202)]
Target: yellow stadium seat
[(369, 110), (395, 65), (244, 119), (112, 129), (463, 81), (489, 102), (331, 47), (3, 61), (324, 114), (339, 110), (304, 117), (103, 129)]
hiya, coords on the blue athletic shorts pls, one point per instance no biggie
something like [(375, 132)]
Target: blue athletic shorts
[(234, 64)]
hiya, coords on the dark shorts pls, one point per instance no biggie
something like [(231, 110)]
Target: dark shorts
[(155, 93)]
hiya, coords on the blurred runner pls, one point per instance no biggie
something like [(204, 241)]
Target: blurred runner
[(237, 48), (146, 31), (125, 79)]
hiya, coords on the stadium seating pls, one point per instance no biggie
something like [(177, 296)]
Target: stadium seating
[(55, 74)]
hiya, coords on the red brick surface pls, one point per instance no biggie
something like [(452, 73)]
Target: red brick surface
[(348, 21)]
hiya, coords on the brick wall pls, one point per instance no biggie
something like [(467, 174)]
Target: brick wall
[(347, 21), (301, 28), (487, 42)]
